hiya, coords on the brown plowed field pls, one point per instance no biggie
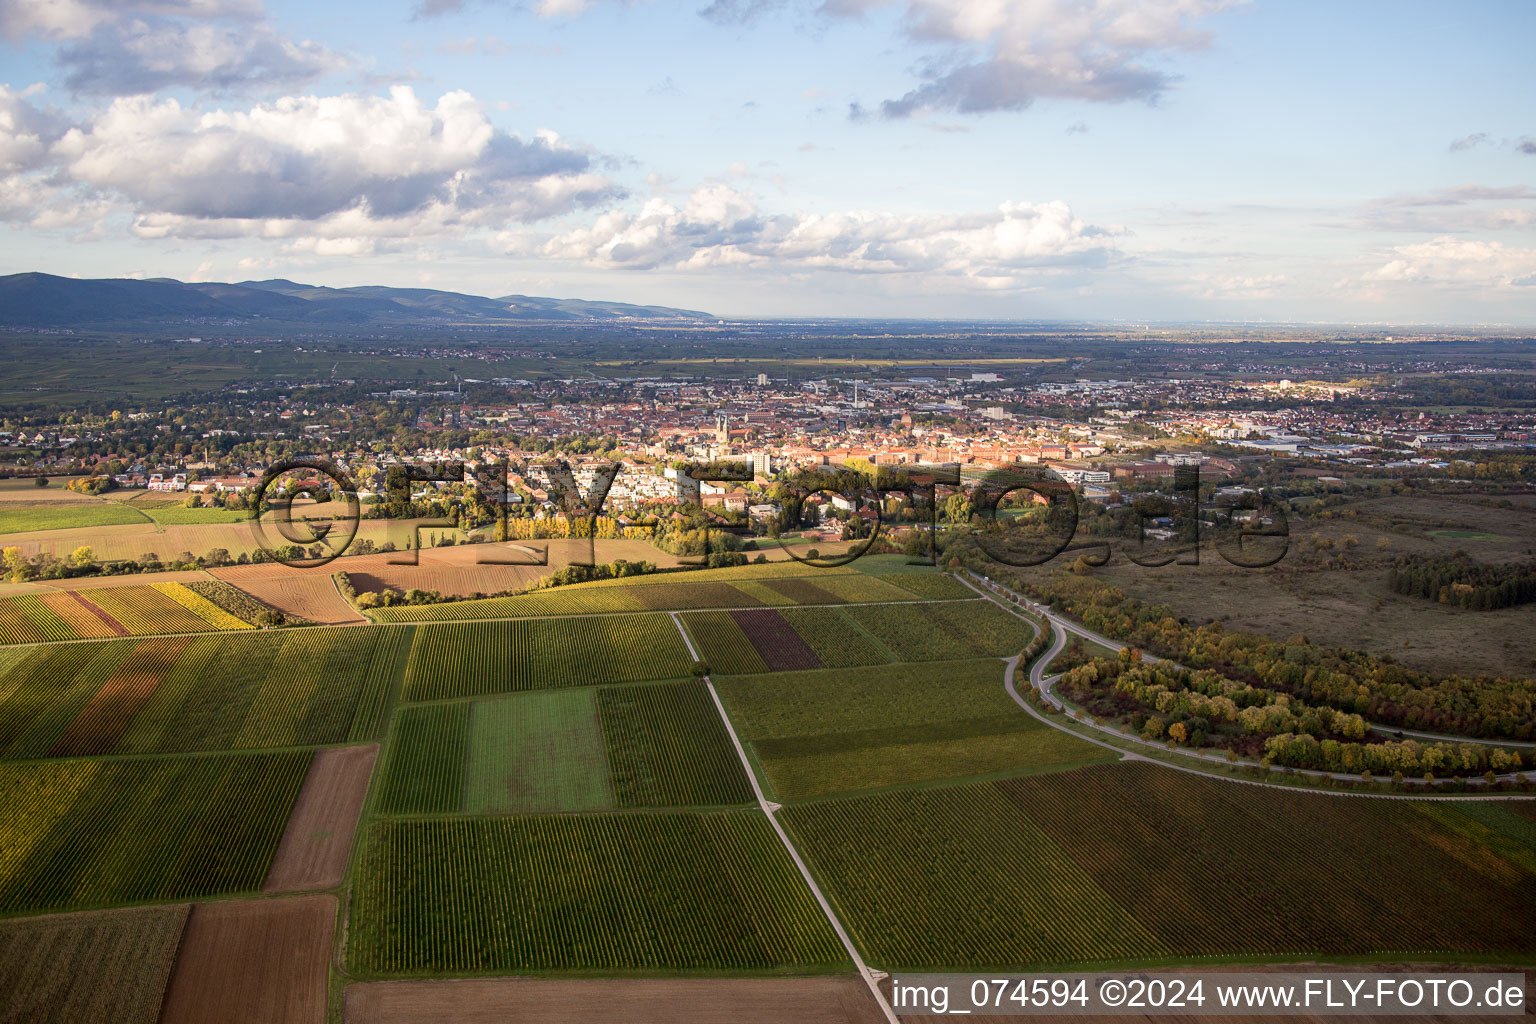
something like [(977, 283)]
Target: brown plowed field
[(309, 597), (253, 962), (633, 1001), (313, 851)]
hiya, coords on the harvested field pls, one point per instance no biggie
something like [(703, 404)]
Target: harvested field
[(106, 965), (776, 640), (313, 851), (308, 597), (838, 1000), (255, 961)]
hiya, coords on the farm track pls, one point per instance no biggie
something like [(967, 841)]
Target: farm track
[(871, 978)]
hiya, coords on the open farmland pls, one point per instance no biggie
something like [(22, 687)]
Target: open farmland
[(826, 1000), (782, 639), (66, 515), (832, 636), (480, 658), (536, 752), (668, 748), (254, 960), (311, 598), (318, 837), (609, 892), (817, 733), (110, 611), (134, 539), (102, 965), (81, 834), (202, 693), (941, 631), (1075, 868), (572, 749), (749, 586)]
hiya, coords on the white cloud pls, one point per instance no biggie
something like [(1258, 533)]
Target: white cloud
[(720, 226), (75, 19), (124, 47), (326, 169), (148, 56), (990, 55), (1456, 263)]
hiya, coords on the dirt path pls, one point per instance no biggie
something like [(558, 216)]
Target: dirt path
[(313, 851), (253, 961), (871, 978)]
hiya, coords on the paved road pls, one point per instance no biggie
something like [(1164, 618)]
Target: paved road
[(1045, 685), (1115, 645)]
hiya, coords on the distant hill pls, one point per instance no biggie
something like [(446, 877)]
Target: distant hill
[(43, 300)]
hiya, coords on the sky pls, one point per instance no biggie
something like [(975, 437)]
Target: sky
[(1135, 160)]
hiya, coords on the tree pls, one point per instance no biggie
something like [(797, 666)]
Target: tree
[(40, 481), (16, 564), (1176, 732), (82, 557)]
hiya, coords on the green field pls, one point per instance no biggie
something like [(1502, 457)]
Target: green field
[(424, 773), (821, 732), (68, 515), (949, 630), (748, 586), (219, 692), (476, 659), (834, 637), (180, 515), (1130, 861), (722, 644), (572, 749), (556, 795), (668, 748), (959, 879), (107, 965), (81, 834), (620, 893), (537, 752)]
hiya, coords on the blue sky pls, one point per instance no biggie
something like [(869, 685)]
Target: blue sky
[(1103, 159)]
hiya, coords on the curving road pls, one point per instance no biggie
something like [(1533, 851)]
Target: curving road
[(1045, 686)]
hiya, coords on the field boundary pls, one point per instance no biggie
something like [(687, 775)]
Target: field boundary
[(805, 872)]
